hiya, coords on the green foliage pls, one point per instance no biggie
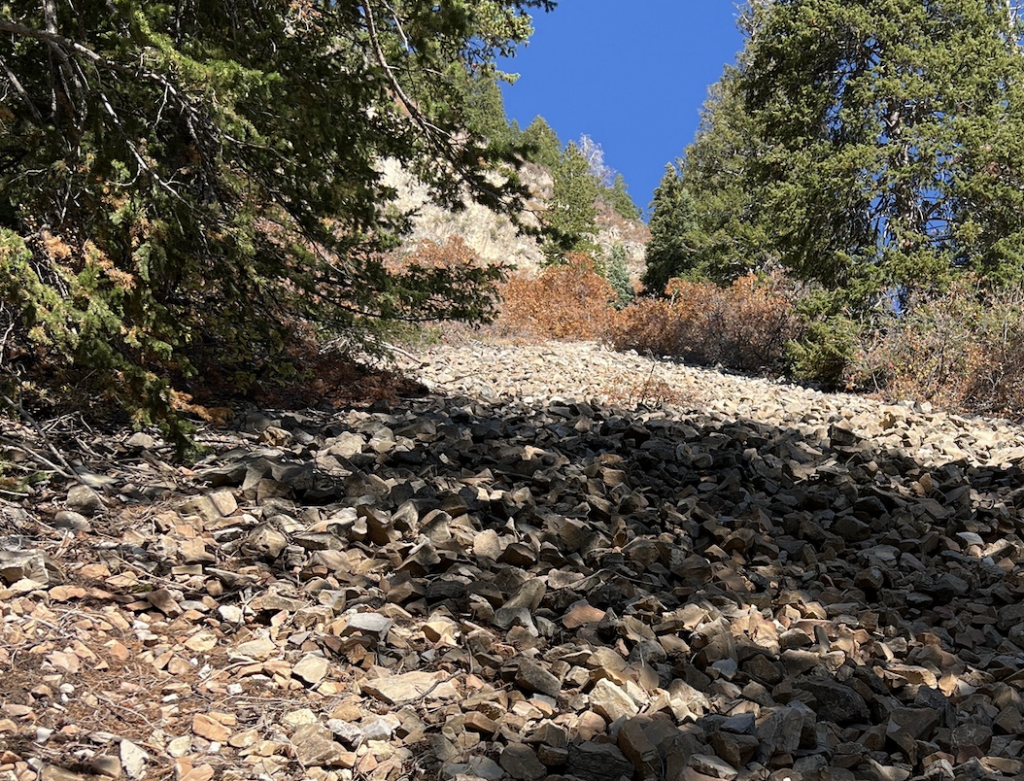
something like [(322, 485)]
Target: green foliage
[(571, 215), (730, 234), (183, 185), (617, 275), (672, 222), (483, 106), (705, 221), (828, 342), (541, 145), (889, 139), (617, 196)]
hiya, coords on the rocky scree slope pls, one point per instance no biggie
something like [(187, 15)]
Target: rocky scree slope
[(513, 578)]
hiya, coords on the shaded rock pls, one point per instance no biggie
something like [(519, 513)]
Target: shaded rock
[(835, 702), (638, 749), (534, 678), (520, 761), (735, 749), (713, 767), (909, 725), (598, 762)]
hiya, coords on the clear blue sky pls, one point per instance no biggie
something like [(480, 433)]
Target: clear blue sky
[(631, 75)]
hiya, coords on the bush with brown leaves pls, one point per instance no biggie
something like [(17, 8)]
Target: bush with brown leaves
[(962, 350), (745, 326), (568, 301)]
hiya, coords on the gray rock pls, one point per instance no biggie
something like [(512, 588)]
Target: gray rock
[(28, 565), (835, 702), (713, 766), (534, 678), (368, 624), (638, 749), (476, 767), (84, 500), (779, 733), (72, 521), (521, 762), (598, 762), (907, 726), (521, 604)]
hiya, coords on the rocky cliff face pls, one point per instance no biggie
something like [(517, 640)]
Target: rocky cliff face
[(493, 237)]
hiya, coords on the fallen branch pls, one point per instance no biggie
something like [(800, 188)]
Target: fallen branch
[(70, 474)]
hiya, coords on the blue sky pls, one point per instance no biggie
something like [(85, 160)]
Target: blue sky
[(631, 75)]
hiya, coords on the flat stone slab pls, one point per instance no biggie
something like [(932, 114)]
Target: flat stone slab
[(401, 689)]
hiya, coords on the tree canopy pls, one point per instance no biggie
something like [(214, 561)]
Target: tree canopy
[(571, 217), (872, 146), (890, 138), (541, 144), (184, 182)]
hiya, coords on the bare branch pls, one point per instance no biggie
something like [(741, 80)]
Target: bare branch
[(13, 81)]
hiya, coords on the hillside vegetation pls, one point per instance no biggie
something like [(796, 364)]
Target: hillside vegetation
[(196, 210), (864, 161)]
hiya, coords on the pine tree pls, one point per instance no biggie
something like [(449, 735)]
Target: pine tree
[(482, 105), (192, 181), (729, 235), (892, 140), (541, 144), (673, 220), (572, 213), (706, 222), (618, 276), (617, 196)]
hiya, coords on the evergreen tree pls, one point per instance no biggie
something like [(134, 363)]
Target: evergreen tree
[(673, 220), (190, 180), (482, 105), (618, 276), (541, 144), (572, 213), (617, 196), (891, 140), (728, 238), (705, 220)]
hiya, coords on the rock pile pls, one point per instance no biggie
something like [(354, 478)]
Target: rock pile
[(530, 589)]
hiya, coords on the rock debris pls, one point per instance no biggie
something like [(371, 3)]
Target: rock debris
[(537, 571)]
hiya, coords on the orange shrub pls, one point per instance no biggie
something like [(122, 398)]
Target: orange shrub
[(569, 301), (744, 326), (450, 254), (963, 350)]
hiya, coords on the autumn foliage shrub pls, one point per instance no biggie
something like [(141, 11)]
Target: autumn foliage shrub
[(567, 301), (745, 326), (962, 350)]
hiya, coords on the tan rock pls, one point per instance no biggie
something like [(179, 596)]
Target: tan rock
[(314, 745), (312, 669), (611, 701), (206, 727), (405, 688)]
